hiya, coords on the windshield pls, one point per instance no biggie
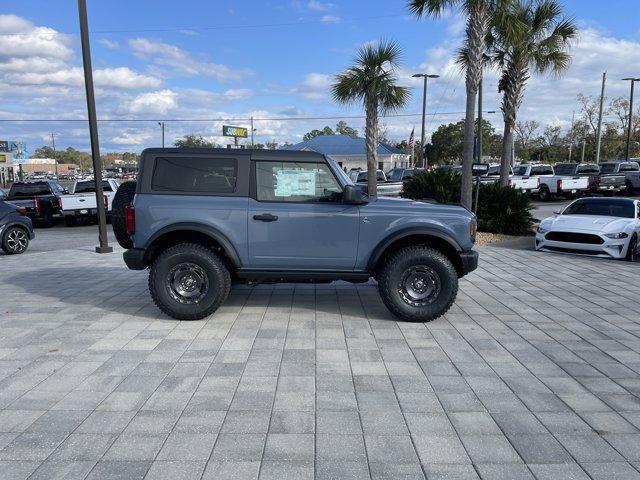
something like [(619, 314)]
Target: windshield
[(615, 207), (522, 170), (589, 169), (565, 169), (607, 167), (629, 167)]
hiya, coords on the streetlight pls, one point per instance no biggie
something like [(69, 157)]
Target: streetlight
[(162, 126), (633, 82), (424, 111)]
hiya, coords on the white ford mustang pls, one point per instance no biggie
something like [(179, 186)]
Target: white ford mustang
[(607, 227)]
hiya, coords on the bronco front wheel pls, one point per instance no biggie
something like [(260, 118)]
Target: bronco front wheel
[(189, 281), (418, 284)]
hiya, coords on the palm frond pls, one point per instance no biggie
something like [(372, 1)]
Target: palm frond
[(429, 8)]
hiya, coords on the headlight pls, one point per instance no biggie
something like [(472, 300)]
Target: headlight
[(542, 230), (616, 235)]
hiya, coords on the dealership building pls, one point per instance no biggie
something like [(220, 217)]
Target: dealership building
[(350, 152)]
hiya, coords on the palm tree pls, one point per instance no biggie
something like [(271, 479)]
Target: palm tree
[(526, 36), (478, 14), (372, 81)]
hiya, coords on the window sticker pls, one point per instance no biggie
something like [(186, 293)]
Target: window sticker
[(291, 183)]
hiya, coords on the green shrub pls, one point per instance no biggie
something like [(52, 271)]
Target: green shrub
[(504, 210), (438, 185)]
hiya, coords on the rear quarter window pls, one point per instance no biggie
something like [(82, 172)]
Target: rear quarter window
[(195, 174)]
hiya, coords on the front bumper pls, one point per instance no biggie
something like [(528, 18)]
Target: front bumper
[(610, 248), (469, 261), (134, 258)]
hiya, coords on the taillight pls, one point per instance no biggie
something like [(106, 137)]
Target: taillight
[(598, 180), (538, 179), (130, 219), (36, 204), (106, 202), (22, 211), (559, 185), (58, 202)]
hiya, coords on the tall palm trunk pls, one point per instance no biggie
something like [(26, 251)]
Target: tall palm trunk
[(371, 140), (512, 84), (477, 27)]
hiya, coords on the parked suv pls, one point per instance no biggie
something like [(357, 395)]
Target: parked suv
[(199, 218)]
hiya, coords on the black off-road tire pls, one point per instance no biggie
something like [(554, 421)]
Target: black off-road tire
[(123, 198), (211, 265), (15, 241), (544, 194), (632, 252), (390, 278)]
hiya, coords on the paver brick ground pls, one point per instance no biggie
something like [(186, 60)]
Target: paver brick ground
[(534, 373)]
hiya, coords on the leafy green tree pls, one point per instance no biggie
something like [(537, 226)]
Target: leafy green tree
[(316, 133), (372, 81), (478, 14), (343, 129), (194, 141), (447, 142), (526, 36)]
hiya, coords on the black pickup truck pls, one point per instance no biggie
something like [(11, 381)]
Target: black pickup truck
[(598, 181), (40, 199)]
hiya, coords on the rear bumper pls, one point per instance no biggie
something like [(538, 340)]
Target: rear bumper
[(469, 261), (134, 258)]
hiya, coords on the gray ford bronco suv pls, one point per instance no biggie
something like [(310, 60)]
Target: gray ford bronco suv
[(201, 219)]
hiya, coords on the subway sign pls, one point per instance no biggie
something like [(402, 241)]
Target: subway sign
[(229, 131)]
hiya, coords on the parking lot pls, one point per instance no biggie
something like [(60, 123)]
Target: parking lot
[(532, 374)]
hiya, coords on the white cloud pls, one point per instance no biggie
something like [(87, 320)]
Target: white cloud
[(320, 6), (20, 38), (110, 44), (159, 102), (121, 77), (131, 138), (181, 62), (330, 19)]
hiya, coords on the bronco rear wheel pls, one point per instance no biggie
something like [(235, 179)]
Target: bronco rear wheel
[(123, 198), (418, 284), (189, 281)]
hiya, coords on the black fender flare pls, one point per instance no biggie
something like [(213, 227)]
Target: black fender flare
[(208, 230), (404, 233)]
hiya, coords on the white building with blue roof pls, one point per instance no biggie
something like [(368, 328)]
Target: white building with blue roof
[(350, 153)]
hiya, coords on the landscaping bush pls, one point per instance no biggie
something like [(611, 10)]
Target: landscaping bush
[(500, 209), (438, 185), (504, 210)]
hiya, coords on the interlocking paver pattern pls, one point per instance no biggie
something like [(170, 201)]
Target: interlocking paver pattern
[(534, 373)]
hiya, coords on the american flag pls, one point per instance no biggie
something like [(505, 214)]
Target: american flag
[(411, 137)]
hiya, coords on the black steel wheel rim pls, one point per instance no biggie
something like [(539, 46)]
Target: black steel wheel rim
[(187, 283), (17, 240), (419, 286)]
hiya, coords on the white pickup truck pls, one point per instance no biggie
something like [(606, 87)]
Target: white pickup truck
[(81, 204), (551, 184), (519, 182)]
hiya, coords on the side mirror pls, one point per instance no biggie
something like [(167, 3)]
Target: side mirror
[(557, 212), (353, 195)]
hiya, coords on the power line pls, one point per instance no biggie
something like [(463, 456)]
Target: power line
[(205, 28), (227, 119)]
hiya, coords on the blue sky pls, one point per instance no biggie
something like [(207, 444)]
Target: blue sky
[(267, 59)]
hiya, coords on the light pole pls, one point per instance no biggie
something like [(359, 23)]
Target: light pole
[(53, 145), (424, 111), (162, 127), (630, 126), (93, 127)]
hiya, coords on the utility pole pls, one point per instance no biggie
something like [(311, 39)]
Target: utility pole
[(630, 126), (424, 113), (162, 127), (573, 117), (584, 144), (599, 134), (479, 134), (252, 132), (53, 144), (93, 127)]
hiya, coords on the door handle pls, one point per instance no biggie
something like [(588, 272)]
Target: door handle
[(265, 217)]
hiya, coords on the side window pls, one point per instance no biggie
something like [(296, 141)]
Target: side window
[(195, 174), (295, 182)]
